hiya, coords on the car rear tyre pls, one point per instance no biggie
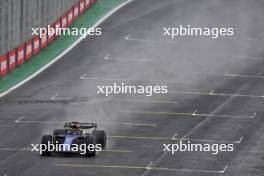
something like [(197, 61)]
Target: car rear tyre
[(90, 140), (46, 139), (100, 137)]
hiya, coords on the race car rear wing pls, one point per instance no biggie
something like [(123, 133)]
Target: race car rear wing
[(77, 125)]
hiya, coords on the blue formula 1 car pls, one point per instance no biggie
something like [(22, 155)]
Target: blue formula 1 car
[(74, 138)]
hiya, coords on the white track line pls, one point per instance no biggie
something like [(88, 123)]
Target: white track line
[(82, 77), (64, 52), (19, 119), (149, 165), (140, 137), (174, 136), (54, 97), (143, 101), (233, 75), (211, 140), (175, 139), (247, 57), (128, 38), (15, 149), (104, 123), (142, 167), (30, 149), (117, 151), (244, 76), (212, 93), (194, 112), (240, 140), (253, 116), (108, 57), (85, 77), (190, 114), (224, 170)]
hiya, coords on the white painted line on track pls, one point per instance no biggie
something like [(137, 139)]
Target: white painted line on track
[(149, 165), (245, 57), (85, 77), (142, 167), (116, 151), (82, 77), (175, 139), (253, 116), (103, 123), (64, 52), (154, 60), (189, 114), (244, 76), (140, 137), (15, 149), (174, 136), (194, 112), (224, 170), (19, 119), (211, 140), (129, 124), (240, 140), (108, 57), (215, 94), (54, 97), (30, 149), (128, 38), (144, 101)]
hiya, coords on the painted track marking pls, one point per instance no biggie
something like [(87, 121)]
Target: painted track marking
[(177, 139), (244, 76), (30, 149), (129, 38), (212, 93), (103, 123), (195, 114), (19, 119), (85, 77), (142, 167), (108, 57)]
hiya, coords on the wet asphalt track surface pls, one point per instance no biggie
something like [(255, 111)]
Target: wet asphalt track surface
[(228, 108)]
